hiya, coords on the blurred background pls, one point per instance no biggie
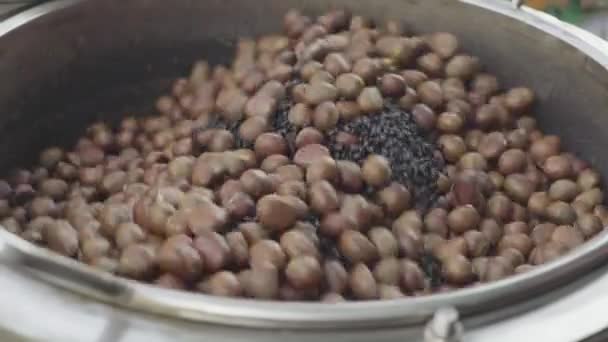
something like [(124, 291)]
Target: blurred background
[(589, 14)]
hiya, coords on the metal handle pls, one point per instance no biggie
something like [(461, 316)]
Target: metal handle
[(445, 326)]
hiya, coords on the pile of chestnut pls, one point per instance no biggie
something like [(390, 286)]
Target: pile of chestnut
[(172, 200)]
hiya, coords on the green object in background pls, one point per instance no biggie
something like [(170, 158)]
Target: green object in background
[(573, 13)]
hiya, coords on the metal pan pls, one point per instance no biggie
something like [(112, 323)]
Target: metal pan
[(59, 52)]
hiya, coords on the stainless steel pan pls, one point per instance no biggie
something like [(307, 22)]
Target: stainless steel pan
[(68, 62)]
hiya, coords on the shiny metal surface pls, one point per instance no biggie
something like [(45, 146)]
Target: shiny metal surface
[(74, 276), (444, 326), (25, 316), (61, 43), (10, 8)]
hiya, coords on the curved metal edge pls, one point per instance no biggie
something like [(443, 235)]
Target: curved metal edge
[(11, 8), (70, 274), (77, 277), (33, 13), (591, 45)]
